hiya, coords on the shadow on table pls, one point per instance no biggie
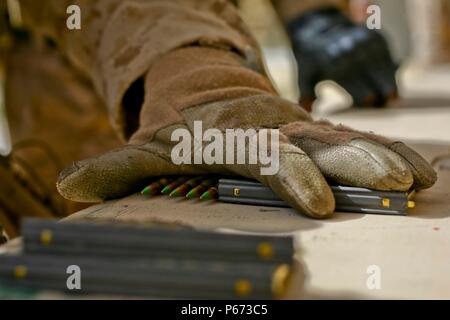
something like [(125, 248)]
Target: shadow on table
[(205, 215)]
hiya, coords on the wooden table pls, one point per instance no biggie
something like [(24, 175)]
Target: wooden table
[(334, 256)]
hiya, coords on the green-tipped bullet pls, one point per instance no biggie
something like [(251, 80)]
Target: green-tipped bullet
[(211, 194), (172, 186), (155, 188), (182, 190), (151, 190), (202, 188)]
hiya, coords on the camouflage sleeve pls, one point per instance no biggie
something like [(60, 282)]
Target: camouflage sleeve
[(119, 40)]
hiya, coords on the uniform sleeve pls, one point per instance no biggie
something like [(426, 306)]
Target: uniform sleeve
[(119, 40)]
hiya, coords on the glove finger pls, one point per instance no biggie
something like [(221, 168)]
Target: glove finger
[(424, 174), (298, 181), (348, 158), (117, 173)]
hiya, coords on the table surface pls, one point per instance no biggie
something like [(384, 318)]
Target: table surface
[(411, 254)]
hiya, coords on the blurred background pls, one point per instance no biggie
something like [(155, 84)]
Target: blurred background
[(418, 32)]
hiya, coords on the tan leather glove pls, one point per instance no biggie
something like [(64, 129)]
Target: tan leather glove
[(220, 89)]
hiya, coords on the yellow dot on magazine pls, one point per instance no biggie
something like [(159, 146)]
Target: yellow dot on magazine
[(243, 288), (46, 237), (265, 250), (20, 272)]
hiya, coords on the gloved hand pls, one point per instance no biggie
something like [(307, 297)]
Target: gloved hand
[(329, 46), (217, 87)]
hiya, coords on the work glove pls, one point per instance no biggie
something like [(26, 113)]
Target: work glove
[(222, 89), (329, 46)]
